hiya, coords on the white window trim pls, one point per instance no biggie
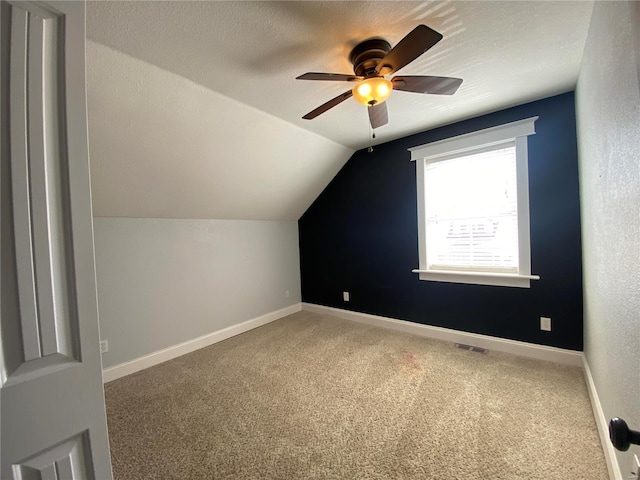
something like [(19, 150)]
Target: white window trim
[(455, 146)]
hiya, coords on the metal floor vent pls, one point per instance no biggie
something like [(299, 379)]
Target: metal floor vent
[(471, 348)]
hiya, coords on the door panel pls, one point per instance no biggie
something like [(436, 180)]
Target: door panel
[(67, 461), (39, 192), (53, 421)]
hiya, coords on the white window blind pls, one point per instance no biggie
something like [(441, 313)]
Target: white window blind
[(471, 207)]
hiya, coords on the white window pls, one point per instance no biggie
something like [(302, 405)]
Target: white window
[(473, 207)]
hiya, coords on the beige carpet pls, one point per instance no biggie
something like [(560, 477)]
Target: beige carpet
[(312, 396)]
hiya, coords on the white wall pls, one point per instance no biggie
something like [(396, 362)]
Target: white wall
[(165, 281), (608, 115)]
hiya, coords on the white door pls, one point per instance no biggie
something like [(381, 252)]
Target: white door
[(52, 422)]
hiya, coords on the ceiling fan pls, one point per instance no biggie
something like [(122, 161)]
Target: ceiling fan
[(372, 60)]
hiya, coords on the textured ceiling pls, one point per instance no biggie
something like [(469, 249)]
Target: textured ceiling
[(180, 92)]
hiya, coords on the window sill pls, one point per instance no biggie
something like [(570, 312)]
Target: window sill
[(477, 278)]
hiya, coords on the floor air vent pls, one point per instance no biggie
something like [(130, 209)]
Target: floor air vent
[(471, 348)]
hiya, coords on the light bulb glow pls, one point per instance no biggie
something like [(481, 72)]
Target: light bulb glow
[(372, 91), (364, 89)]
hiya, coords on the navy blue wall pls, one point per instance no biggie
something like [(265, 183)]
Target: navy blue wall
[(361, 236)]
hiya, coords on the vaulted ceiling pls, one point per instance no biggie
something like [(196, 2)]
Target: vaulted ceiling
[(194, 110)]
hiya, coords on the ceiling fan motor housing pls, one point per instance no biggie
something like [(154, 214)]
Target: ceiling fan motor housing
[(366, 55)]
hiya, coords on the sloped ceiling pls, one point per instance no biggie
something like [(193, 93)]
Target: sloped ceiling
[(164, 146), (194, 110)]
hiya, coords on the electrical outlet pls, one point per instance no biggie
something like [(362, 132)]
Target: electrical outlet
[(104, 346), (345, 296), (545, 324), (635, 470), (287, 294)]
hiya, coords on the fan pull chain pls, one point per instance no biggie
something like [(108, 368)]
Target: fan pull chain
[(371, 135)]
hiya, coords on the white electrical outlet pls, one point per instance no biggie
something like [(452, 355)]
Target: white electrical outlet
[(635, 470), (345, 296), (287, 294), (545, 324), (104, 346)]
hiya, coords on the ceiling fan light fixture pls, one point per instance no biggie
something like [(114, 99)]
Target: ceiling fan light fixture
[(372, 91)]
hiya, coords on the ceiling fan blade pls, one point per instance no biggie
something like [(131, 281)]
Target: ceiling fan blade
[(426, 84), (336, 77), (326, 106), (414, 44), (378, 115)]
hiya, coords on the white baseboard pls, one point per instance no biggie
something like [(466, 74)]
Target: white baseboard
[(523, 349), (169, 353), (603, 427)]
